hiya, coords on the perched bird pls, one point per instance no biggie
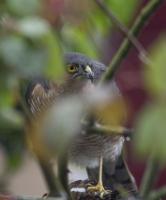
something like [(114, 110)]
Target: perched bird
[(93, 151)]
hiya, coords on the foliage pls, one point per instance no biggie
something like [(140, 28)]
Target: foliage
[(151, 122)]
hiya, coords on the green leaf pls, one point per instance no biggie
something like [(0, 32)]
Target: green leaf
[(22, 58), (10, 119), (11, 48), (55, 65), (59, 127), (24, 7), (14, 159), (150, 134), (124, 10), (78, 40), (33, 27), (6, 97), (100, 23), (8, 86), (155, 72)]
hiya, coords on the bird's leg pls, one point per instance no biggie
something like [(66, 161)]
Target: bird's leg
[(99, 187), (100, 182)]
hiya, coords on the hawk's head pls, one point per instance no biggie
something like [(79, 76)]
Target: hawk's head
[(81, 73), (80, 67)]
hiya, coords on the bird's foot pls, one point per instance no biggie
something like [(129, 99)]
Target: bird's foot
[(99, 188)]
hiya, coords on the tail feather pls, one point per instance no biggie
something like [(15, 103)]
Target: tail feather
[(124, 177)]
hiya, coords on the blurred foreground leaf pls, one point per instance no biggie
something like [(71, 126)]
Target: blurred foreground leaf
[(155, 73), (77, 39), (23, 7), (12, 136), (62, 123), (150, 134), (20, 57), (55, 65), (6, 97), (8, 89), (112, 112), (108, 105), (10, 119), (123, 9), (33, 27)]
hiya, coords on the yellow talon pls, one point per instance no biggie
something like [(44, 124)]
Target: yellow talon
[(98, 188)]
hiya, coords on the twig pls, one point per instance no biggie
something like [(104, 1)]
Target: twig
[(142, 18), (157, 194), (49, 176), (123, 29), (63, 172), (111, 130), (149, 177)]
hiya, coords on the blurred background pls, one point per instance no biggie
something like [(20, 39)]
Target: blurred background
[(33, 36)]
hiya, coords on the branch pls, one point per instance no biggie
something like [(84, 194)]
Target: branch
[(158, 194), (63, 172), (111, 130), (108, 12), (149, 177), (86, 197), (140, 21), (11, 197), (49, 176)]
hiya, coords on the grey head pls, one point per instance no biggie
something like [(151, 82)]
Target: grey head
[(81, 62), (75, 65)]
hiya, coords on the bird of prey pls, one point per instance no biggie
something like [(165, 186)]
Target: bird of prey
[(89, 150)]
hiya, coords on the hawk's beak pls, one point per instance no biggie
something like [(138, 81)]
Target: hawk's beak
[(89, 73)]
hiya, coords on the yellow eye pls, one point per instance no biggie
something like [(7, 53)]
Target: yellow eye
[(71, 68)]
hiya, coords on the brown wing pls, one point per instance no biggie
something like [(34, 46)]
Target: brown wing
[(40, 95)]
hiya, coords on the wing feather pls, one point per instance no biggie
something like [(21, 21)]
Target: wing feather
[(40, 95)]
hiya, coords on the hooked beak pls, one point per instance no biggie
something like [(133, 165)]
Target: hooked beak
[(89, 73)]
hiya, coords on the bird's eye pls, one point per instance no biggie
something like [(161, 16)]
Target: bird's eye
[(71, 68)]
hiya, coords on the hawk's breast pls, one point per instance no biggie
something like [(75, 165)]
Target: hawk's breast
[(86, 149)]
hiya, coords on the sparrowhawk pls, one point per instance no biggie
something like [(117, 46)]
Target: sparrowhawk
[(89, 150)]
